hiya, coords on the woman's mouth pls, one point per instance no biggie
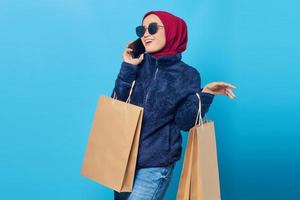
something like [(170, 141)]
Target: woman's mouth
[(148, 42)]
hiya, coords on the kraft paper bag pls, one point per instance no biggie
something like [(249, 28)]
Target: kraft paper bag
[(200, 175), (111, 153), (184, 186)]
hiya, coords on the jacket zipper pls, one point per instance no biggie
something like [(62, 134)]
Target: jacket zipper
[(151, 82)]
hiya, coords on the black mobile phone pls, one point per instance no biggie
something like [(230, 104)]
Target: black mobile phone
[(138, 48)]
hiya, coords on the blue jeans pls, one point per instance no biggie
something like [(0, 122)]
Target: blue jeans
[(150, 183)]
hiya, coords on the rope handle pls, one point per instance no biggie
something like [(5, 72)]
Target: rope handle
[(199, 120), (130, 92)]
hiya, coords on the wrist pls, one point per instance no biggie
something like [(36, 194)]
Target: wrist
[(130, 63), (206, 90)]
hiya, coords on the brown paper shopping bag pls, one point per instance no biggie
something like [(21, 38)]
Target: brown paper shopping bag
[(200, 175), (111, 153), (184, 187)]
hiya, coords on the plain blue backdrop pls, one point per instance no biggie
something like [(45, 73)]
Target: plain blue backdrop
[(57, 57)]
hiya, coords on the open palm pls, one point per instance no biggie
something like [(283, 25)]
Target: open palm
[(220, 88)]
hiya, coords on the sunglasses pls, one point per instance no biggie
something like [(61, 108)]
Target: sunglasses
[(152, 29)]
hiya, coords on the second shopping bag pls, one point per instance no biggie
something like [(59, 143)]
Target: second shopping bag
[(200, 175)]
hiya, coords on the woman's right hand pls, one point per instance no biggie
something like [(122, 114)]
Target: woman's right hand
[(127, 57)]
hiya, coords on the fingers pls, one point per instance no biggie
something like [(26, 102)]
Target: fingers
[(229, 93), (128, 44), (141, 57), (128, 50), (128, 55), (228, 85)]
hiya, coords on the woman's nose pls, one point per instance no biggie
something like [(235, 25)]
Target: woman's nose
[(146, 34)]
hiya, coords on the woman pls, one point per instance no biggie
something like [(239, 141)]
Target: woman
[(165, 87)]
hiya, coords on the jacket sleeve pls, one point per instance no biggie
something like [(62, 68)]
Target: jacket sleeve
[(186, 113), (124, 80)]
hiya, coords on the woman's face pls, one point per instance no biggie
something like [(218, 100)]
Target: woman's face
[(153, 43)]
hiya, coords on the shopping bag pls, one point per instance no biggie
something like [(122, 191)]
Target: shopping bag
[(111, 152), (200, 175)]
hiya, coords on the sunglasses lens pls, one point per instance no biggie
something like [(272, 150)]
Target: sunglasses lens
[(140, 30), (152, 29)]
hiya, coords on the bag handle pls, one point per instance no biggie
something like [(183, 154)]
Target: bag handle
[(130, 92), (199, 120)]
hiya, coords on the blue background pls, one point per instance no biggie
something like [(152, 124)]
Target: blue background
[(57, 57)]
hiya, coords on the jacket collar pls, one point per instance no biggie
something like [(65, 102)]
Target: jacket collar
[(164, 61)]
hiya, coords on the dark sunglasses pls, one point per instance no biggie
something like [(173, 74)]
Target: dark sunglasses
[(152, 29)]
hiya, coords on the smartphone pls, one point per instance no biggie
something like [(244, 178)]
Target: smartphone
[(138, 48)]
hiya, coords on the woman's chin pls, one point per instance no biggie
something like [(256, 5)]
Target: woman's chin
[(153, 49), (150, 50)]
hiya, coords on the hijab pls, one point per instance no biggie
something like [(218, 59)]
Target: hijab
[(175, 31)]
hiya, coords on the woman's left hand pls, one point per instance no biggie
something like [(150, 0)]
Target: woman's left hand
[(221, 88)]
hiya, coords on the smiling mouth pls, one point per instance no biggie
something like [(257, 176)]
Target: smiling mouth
[(148, 42)]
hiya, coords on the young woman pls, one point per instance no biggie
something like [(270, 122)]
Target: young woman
[(166, 88)]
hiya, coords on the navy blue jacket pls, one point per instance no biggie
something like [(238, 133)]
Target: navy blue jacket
[(165, 87)]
